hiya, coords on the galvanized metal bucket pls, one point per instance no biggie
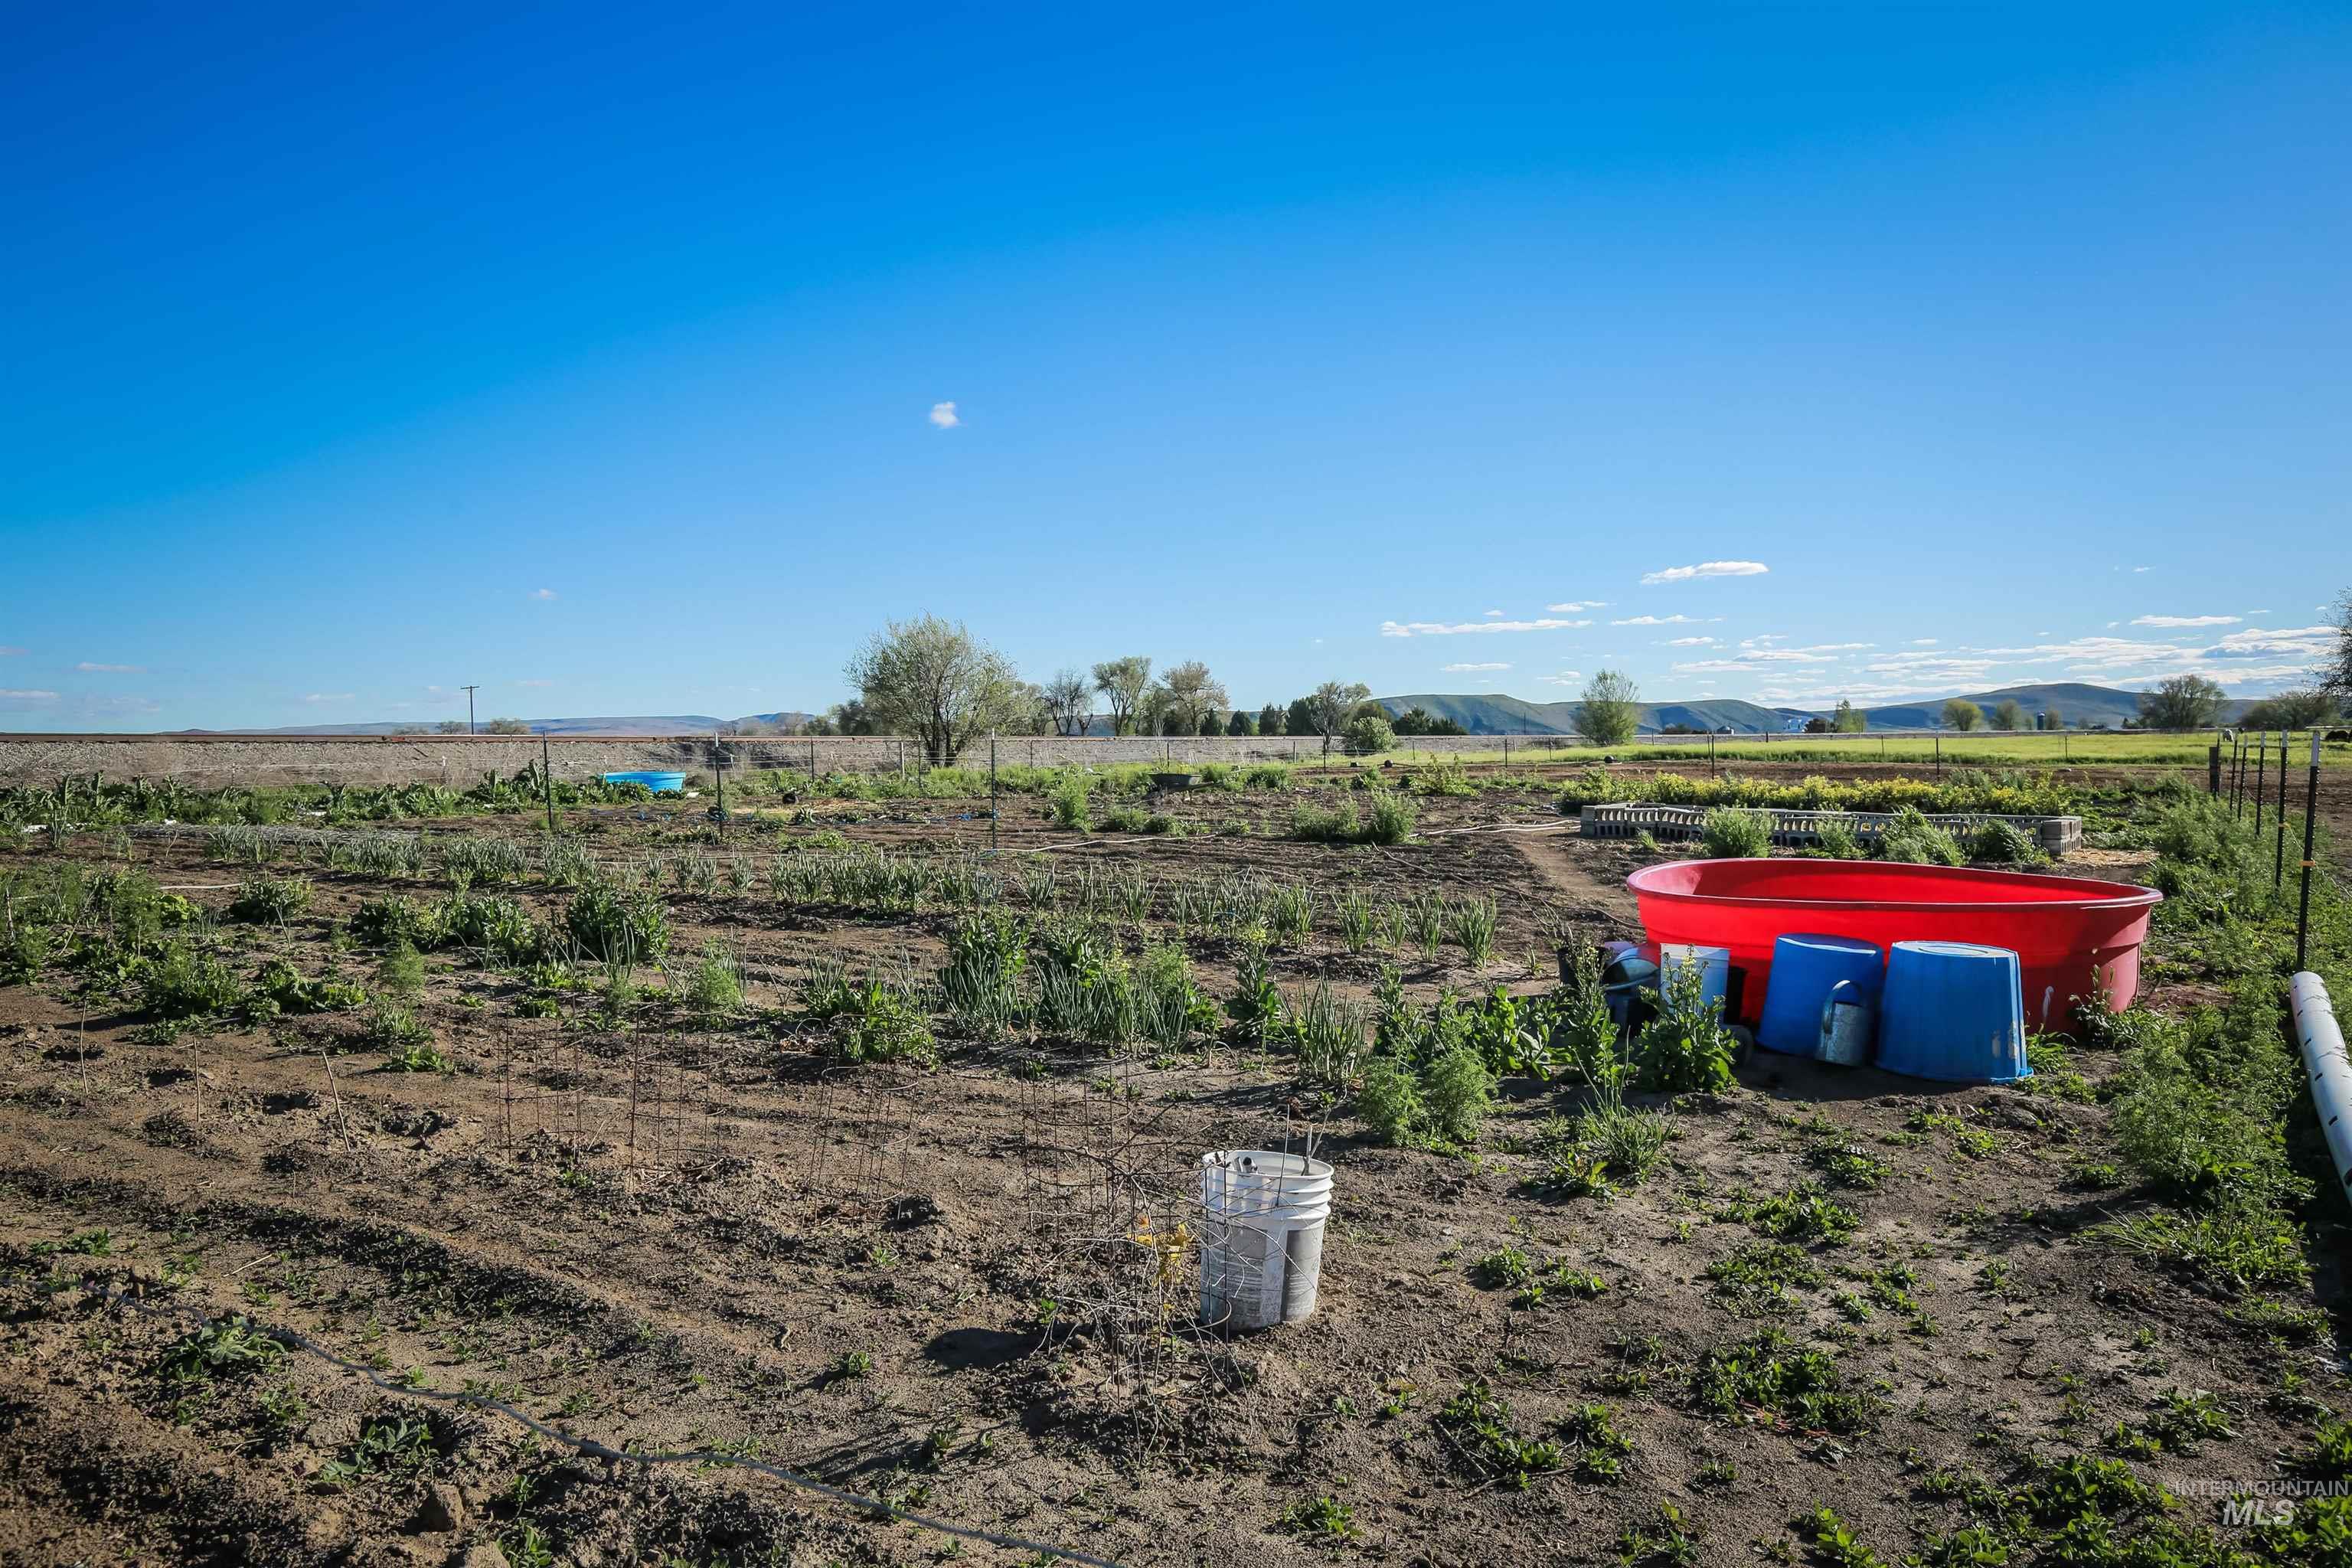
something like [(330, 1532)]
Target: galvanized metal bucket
[(1846, 1026)]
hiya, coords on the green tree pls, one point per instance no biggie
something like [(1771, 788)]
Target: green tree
[(1121, 682), (2007, 715), (2293, 710), (505, 727), (1330, 705), (1240, 724), (1185, 695), (2053, 719), (1210, 724), (1610, 712), (1960, 713), (2181, 702), (1270, 719), (1849, 720), (932, 679), (1366, 734), (1300, 719)]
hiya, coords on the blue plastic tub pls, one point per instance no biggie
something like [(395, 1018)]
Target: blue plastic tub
[(1953, 1011), (1804, 968), (660, 784)]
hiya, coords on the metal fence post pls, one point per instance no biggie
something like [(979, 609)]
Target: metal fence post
[(2310, 811), (2262, 762), (2278, 852)]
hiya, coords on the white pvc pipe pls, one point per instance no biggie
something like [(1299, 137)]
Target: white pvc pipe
[(2324, 1059)]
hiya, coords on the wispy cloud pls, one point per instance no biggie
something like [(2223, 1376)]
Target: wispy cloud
[(1657, 621), (1577, 606), (327, 697), (1565, 678), (1457, 628), (1471, 669), (1707, 569), (542, 592), (944, 416), (535, 683), (1689, 642), (15, 695), (1496, 615), (87, 667), (10, 652), (1923, 642), (2185, 620)]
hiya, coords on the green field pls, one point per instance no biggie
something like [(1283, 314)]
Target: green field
[(1983, 748)]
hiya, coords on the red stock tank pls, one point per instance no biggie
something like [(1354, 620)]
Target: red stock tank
[(2069, 934)]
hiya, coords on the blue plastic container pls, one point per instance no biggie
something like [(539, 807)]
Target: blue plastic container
[(1804, 968), (1952, 1011), (660, 784)]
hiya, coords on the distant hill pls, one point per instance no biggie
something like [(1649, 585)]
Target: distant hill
[(1492, 713)]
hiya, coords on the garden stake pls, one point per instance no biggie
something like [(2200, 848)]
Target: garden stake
[(547, 783)]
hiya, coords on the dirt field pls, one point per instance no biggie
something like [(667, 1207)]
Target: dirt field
[(952, 1289)]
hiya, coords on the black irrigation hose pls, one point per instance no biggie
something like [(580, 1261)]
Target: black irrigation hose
[(591, 1448)]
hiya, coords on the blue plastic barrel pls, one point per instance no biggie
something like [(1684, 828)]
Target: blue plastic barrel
[(1952, 1011), (1804, 968), (660, 784)]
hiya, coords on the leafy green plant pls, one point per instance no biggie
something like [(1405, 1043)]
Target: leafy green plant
[(1472, 924), (1458, 1091), (386, 1445), (607, 924), (223, 1347), (1480, 1427), (1732, 832), (714, 987), (1390, 1101), (187, 983), (1686, 1045), (1912, 838), (271, 900)]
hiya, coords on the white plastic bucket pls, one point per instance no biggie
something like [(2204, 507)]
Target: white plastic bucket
[(1261, 1236), (1714, 966)]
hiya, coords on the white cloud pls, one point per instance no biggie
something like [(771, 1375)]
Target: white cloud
[(327, 697), (542, 592), (1657, 621), (1767, 640), (1923, 642), (1835, 647), (1689, 642), (1442, 629), (11, 695), (1707, 569), (110, 705), (10, 652), (2258, 612), (85, 667), (2178, 621), (1565, 678), (944, 415), (1469, 668), (1496, 615), (1577, 606), (2139, 568)]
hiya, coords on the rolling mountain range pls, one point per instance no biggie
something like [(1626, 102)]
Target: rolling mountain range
[(1487, 713), (1492, 715)]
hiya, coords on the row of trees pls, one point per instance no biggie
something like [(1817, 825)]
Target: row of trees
[(932, 680)]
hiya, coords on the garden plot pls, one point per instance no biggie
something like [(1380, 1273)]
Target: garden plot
[(838, 1143)]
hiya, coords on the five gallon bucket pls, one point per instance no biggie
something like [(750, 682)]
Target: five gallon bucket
[(1952, 1011), (1261, 1236), (1806, 968), (1719, 982)]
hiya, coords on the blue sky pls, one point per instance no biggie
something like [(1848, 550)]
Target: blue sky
[(644, 360)]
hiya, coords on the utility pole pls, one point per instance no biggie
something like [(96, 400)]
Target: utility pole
[(469, 707)]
